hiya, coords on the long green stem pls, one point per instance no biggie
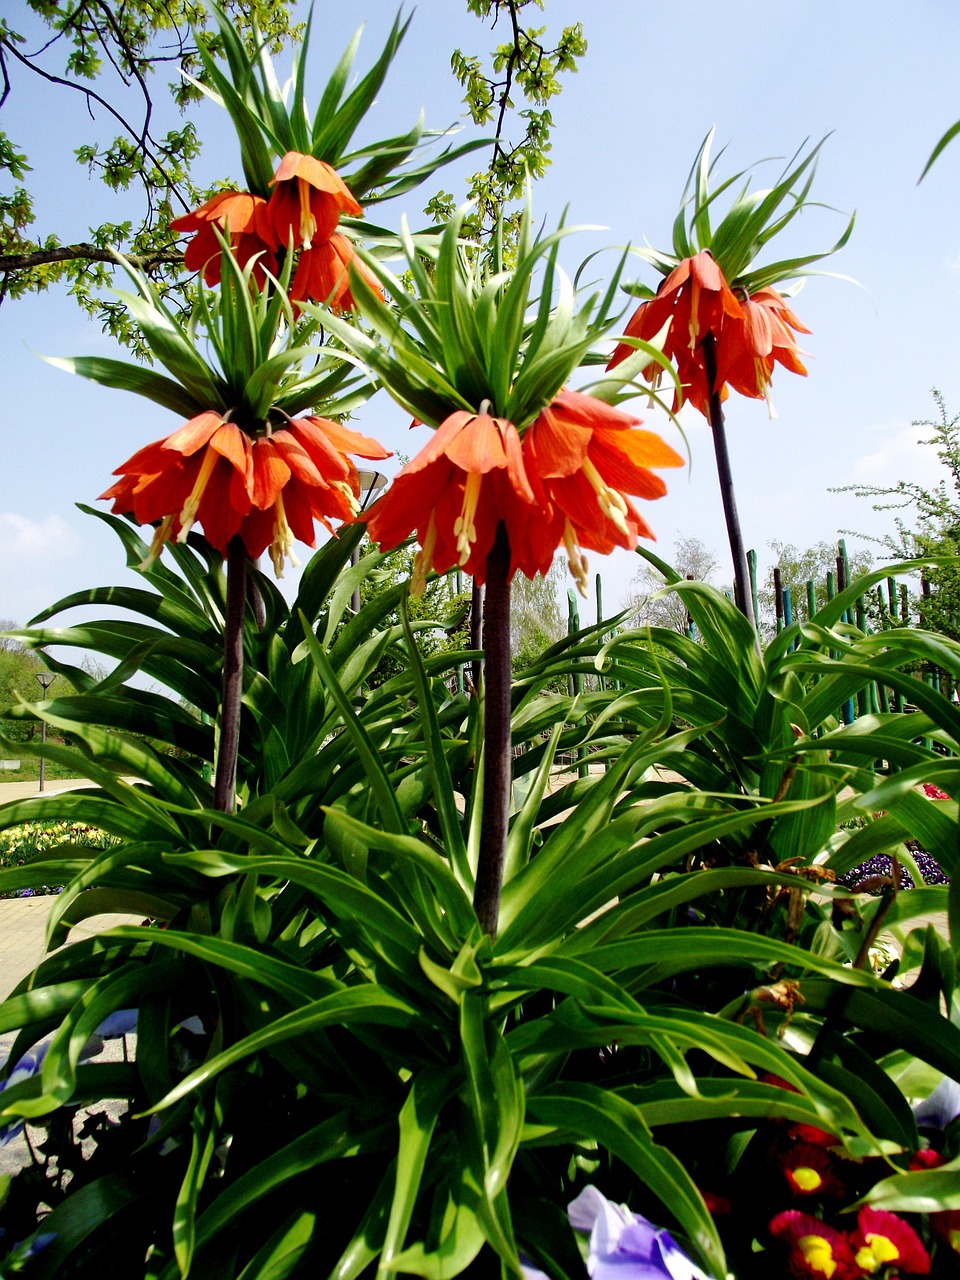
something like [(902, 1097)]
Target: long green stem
[(231, 690), (496, 735), (741, 574)]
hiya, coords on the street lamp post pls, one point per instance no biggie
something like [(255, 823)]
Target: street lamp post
[(45, 680), (371, 482)]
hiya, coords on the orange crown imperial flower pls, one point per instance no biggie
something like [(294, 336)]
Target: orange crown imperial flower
[(306, 203), (696, 297), (236, 214), (583, 457), (748, 347), (454, 493), (323, 274), (267, 489)]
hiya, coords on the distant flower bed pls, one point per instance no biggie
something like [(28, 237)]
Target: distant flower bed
[(37, 840)]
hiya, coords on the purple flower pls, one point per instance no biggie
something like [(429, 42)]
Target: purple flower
[(624, 1245), (942, 1106)]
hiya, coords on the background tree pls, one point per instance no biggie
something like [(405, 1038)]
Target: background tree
[(693, 560), (19, 667), (932, 525), (111, 59), (537, 619), (798, 567)]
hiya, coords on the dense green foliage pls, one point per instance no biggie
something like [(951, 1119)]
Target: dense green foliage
[(340, 1060)]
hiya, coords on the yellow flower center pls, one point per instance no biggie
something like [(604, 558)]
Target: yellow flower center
[(876, 1253), (818, 1254), (576, 560), (192, 505), (807, 1179), (281, 547), (308, 223), (954, 1238), (612, 502), (464, 529)]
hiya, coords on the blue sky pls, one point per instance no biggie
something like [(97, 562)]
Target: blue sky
[(879, 77)]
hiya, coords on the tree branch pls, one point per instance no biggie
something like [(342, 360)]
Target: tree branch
[(82, 252)]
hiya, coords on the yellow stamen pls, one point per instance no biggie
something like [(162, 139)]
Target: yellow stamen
[(161, 536), (464, 529), (612, 503), (818, 1254), (694, 326), (576, 560), (342, 487), (308, 223), (763, 385), (876, 1253), (281, 547), (189, 513), (423, 560), (954, 1238)]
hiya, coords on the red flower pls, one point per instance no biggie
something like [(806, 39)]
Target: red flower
[(925, 1158), (323, 274), (809, 1171), (947, 1227), (815, 1249), (307, 201), (583, 457), (454, 493), (269, 489), (695, 296), (934, 792), (748, 346), (882, 1240), (236, 214)]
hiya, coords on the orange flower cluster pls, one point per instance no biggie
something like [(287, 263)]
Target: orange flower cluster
[(303, 211), (751, 333), (267, 489), (564, 483)]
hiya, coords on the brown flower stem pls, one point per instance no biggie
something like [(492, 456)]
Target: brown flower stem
[(741, 574), (231, 690), (496, 734)]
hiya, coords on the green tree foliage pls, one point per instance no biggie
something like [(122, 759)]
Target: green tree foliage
[(536, 618), (526, 65), (798, 567), (440, 618), (105, 58), (19, 667), (930, 525)]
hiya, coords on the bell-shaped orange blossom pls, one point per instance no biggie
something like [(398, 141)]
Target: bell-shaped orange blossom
[(696, 297), (268, 489), (454, 493), (583, 457), (750, 345), (235, 213), (306, 203)]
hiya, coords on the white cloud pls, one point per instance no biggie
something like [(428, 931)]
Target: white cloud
[(900, 456), (21, 536)]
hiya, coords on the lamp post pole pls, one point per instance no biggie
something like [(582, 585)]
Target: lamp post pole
[(45, 680), (371, 482)]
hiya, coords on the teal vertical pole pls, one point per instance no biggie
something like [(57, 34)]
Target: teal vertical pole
[(459, 589), (892, 601), (778, 598), (598, 587), (848, 711), (752, 571), (576, 679), (811, 598)]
